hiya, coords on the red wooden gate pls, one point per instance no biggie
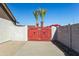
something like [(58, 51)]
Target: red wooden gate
[(39, 34)]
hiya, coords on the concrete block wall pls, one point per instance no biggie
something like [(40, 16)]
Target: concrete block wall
[(63, 34), (69, 37), (75, 37)]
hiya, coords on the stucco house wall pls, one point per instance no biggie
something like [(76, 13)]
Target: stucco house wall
[(8, 28), (4, 26), (4, 30), (8, 31)]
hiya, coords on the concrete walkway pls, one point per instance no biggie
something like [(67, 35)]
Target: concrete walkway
[(30, 48), (9, 48), (39, 48)]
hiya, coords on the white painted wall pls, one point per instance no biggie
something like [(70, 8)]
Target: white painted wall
[(53, 31), (4, 30), (18, 33), (9, 31)]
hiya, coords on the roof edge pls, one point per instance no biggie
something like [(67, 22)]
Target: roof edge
[(9, 13)]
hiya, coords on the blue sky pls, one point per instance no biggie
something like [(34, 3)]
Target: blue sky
[(57, 13)]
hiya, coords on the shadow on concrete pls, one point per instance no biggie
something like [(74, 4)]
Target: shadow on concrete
[(55, 37), (62, 48), (66, 50)]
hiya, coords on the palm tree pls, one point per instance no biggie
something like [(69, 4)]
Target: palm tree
[(42, 14), (36, 17)]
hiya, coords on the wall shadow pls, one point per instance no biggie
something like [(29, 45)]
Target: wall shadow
[(66, 50), (62, 48), (54, 41)]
